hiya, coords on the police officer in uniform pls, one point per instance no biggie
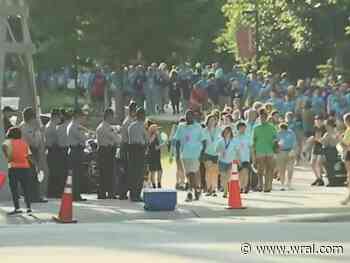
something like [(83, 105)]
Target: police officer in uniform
[(107, 140), (31, 134), (62, 149), (76, 139), (138, 140), (131, 117), (51, 143)]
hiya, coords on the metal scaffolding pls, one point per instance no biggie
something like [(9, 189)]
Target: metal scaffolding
[(24, 48)]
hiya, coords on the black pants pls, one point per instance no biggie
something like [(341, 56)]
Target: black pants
[(23, 176), (136, 169), (34, 185), (175, 103), (331, 154), (105, 163), (53, 189), (202, 172), (76, 165), (61, 169), (123, 176)]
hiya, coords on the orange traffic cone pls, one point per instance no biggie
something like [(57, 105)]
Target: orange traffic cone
[(234, 195), (66, 211)]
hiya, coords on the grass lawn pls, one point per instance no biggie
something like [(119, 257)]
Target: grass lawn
[(50, 99)]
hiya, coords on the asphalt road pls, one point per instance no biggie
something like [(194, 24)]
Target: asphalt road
[(214, 240), (203, 231)]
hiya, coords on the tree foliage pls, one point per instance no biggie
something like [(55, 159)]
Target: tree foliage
[(116, 30), (289, 29)]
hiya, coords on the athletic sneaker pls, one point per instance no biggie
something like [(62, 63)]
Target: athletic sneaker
[(189, 197), (320, 182), (197, 195), (315, 182), (15, 212)]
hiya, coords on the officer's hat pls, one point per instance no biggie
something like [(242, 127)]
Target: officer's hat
[(132, 107)]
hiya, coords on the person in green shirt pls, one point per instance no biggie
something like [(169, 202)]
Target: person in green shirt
[(264, 145)]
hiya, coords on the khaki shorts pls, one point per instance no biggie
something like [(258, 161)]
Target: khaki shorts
[(283, 159)]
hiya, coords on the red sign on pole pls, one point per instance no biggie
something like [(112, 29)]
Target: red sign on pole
[(246, 42)]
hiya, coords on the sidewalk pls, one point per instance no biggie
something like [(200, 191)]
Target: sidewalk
[(305, 203)]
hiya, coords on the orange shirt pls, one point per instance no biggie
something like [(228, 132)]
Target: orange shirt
[(20, 154)]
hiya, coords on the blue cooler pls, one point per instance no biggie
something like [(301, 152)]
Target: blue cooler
[(160, 199)]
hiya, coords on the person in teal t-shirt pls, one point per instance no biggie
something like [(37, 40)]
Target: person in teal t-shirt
[(227, 150), (244, 154), (212, 136), (190, 145)]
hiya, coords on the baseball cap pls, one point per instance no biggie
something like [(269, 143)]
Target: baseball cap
[(8, 109)]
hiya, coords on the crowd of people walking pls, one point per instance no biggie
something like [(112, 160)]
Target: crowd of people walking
[(266, 124)]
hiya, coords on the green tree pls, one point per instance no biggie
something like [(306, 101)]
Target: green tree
[(113, 30), (292, 32)]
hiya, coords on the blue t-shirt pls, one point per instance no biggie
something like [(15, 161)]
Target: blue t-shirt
[(301, 100), (249, 128), (296, 125), (289, 106), (191, 139), (333, 103), (277, 104), (284, 84), (227, 150), (265, 92), (254, 88), (202, 84), (212, 139), (244, 144), (287, 140), (318, 105)]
